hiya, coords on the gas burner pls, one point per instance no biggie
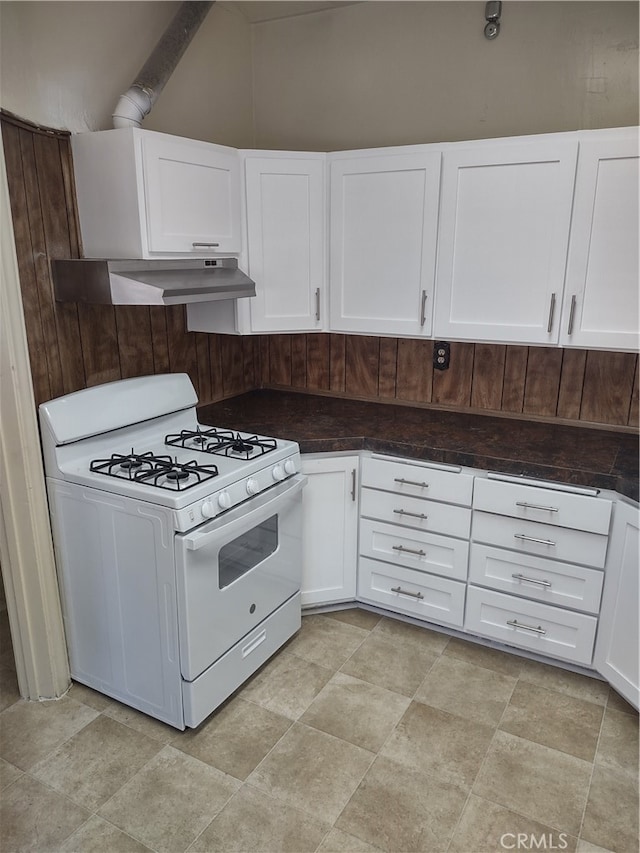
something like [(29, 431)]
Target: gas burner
[(151, 470), (198, 439), (241, 446), (127, 466), (177, 474)]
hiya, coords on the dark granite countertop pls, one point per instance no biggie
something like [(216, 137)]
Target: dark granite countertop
[(568, 454)]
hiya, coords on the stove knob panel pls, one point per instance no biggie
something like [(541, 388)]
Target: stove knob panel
[(278, 473), (253, 486), (224, 500), (290, 466), (208, 509)]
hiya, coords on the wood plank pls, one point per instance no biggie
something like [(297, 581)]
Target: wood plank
[(133, 329), (488, 376), (543, 381), (40, 372), (99, 342), (280, 360), (415, 371), (159, 341), (452, 387), (204, 368), (318, 361), (608, 387), (515, 374), (298, 361), (66, 161), (362, 364), (215, 360), (633, 408), (337, 362), (571, 381), (182, 345), (264, 360), (249, 359), (388, 368), (232, 364)]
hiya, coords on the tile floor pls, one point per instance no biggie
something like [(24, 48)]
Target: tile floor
[(362, 734)]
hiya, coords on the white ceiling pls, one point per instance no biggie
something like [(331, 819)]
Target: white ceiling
[(256, 11)]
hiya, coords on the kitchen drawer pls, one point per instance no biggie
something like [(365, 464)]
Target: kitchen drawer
[(416, 512), (419, 480), (415, 593), (535, 577), (550, 506), (544, 540), (530, 625), (426, 552)]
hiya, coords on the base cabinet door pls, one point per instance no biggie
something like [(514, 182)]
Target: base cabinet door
[(616, 652), (330, 529)]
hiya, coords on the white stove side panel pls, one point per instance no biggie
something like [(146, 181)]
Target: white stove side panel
[(116, 572)]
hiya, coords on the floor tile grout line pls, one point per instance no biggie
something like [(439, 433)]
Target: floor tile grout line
[(593, 767)]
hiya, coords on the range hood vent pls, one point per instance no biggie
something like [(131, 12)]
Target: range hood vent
[(149, 282)]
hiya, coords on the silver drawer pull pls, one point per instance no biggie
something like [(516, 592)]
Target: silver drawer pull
[(404, 550), (205, 245), (406, 592), (537, 506), (520, 577), (533, 539), (423, 309), (552, 308), (513, 623), (411, 514), (410, 482)]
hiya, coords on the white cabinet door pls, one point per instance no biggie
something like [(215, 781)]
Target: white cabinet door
[(384, 213), (192, 195), (616, 653), (601, 294), (286, 244), (502, 240), (329, 524)]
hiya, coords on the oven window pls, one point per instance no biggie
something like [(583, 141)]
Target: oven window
[(242, 554)]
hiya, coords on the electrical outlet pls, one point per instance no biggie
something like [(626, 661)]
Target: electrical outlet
[(441, 355)]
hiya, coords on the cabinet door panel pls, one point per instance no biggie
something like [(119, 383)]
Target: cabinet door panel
[(502, 241), (601, 300), (285, 227), (383, 231), (329, 530), (192, 192)]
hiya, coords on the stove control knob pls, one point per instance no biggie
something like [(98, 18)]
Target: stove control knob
[(278, 473), (253, 487), (208, 509), (224, 500), (290, 466)]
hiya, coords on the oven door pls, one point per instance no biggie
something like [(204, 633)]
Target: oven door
[(235, 570)]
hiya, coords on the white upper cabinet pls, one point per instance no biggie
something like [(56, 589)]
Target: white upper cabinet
[(143, 194), (383, 226), (285, 197), (601, 295), (504, 223)]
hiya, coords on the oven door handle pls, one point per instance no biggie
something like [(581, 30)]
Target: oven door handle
[(246, 515)]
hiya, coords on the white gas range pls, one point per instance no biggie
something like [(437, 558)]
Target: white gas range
[(178, 545)]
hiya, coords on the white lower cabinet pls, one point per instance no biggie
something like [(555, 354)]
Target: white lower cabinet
[(616, 654), (329, 529)]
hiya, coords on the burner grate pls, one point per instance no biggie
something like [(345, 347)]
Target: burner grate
[(222, 442), (150, 469)]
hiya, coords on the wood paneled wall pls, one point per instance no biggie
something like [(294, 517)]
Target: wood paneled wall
[(75, 346)]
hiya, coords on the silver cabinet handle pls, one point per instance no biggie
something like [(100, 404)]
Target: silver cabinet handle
[(403, 550), (572, 312), (513, 623), (552, 308), (410, 482), (205, 245), (423, 309), (411, 514), (520, 577), (406, 592), (353, 485), (317, 304), (537, 506), (533, 539)]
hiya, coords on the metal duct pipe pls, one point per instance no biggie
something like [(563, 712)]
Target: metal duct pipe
[(137, 101)]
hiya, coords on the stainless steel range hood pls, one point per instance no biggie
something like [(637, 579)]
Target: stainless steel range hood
[(149, 282)]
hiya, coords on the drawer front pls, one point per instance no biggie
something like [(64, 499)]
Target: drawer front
[(534, 577), (543, 540), (416, 513), (415, 593), (426, 552), (421, 481), (561, 509), (530, 625)]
